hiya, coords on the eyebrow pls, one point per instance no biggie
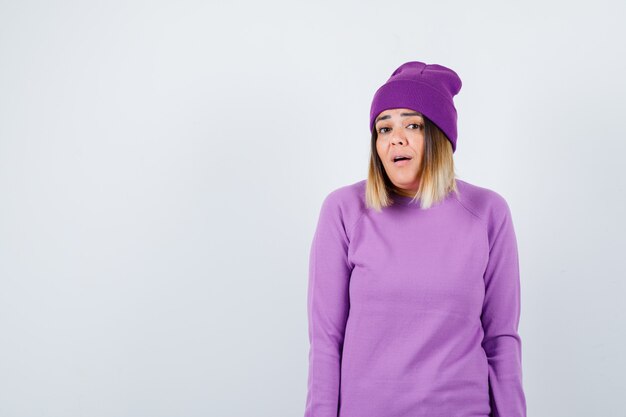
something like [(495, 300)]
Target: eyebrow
[(401, 114)]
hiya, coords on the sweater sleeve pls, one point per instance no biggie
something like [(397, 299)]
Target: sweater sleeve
[(500, 317), (328, 306)]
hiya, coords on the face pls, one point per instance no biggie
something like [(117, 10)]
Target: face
[(401, 133)]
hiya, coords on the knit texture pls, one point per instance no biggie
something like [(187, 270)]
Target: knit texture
[(414, 312)]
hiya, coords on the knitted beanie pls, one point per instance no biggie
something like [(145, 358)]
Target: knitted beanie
[(425, 88)]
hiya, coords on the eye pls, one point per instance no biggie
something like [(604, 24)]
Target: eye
[(381, 129), (419, 126)]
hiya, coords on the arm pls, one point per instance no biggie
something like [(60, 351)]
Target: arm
[(500, 317), (328, 306)]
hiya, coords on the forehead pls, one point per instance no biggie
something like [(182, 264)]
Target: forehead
[(399, 112)]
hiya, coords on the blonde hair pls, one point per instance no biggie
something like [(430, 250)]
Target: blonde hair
[(436, 173)]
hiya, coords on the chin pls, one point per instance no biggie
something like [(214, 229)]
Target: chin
[(405, 179)]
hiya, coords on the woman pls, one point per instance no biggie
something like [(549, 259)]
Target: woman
[(414, 289)]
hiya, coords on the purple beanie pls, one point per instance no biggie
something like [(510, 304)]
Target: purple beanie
[(425, 88)]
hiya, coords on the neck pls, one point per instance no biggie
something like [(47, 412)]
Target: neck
[(402, 192)]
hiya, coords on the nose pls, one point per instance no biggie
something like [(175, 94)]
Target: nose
[(399, 138)]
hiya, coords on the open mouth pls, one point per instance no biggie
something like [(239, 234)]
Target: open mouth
[(401, 160)]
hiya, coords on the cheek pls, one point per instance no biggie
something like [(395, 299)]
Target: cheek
[(418, 143), (379, 150)]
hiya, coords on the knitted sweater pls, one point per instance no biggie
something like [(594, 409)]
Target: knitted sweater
[(412, 312)]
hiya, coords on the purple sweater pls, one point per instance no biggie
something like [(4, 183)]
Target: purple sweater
[(412, 312)]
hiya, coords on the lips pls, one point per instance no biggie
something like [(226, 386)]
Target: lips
[(401, 159)]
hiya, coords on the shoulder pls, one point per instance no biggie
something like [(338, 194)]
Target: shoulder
[(345, 203), (350, 195), (486, 204)]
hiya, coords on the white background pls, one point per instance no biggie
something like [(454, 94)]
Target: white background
[(162, 166)]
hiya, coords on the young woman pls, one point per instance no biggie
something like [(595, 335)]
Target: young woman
[(414, 287)]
